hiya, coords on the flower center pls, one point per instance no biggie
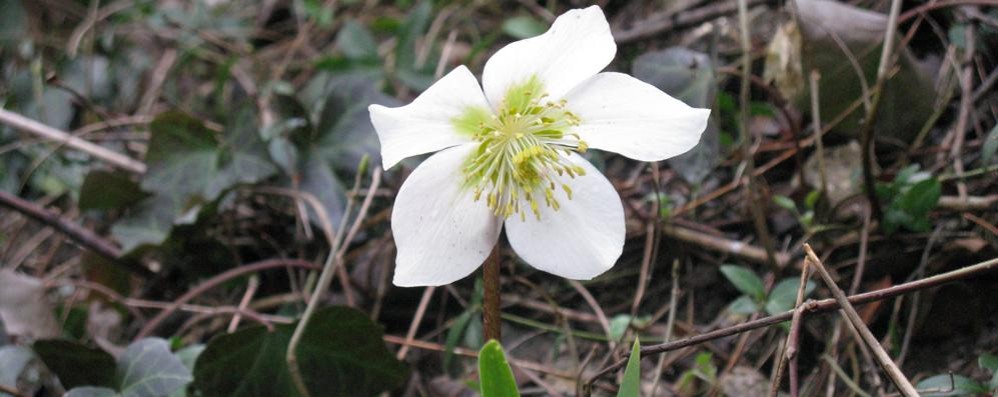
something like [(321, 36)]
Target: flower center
[(522, 148)]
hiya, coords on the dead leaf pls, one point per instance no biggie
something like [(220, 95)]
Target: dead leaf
[(24, 308)]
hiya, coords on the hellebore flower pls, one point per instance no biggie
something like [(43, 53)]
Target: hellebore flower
[(508, 154)]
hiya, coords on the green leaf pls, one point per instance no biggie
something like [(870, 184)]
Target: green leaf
[(494, 373), (745, 281), (784, 295), (413, 28), (186, 159), (921, 197), (743, 305), (105, 190), (957, 36), (13, 23), (631, 385), (785, 202), (149, 369), (322, 14), (944, 385), (91, 391), (76, 364), (522, 27), (14, 361), (188, 166), (454, 334), (812, 199), (906, 174), (187, 356), (618, 326), (149, 222), (990, 362), (341, 353), (990, 147), (356, 42)]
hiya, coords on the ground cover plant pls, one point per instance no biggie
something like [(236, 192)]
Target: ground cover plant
[(451, 198)]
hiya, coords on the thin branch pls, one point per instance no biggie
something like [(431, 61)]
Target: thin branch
[(77, 233), (752, 188), (867, 131), (31, 126), (821, 306), (329, 269), (790, 347), (670, 322), (216, 281), (666, 21), (885, 361), (732, 247), (416, 321)]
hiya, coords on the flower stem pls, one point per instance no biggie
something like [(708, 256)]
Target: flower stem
[(491, 321)]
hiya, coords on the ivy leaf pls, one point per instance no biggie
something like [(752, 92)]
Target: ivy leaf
[(148, 222), (14, 361), (188, 166), (989, 362), (356, 42), (149, 369), (341, 353), (745, 281), (946, 385), (76, 364), (91, 391), (631, 385), (105, 190), (494, 373)]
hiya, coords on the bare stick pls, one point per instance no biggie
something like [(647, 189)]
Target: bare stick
[(867, 129), (732, 247), (216, 281), (600, 315), (329, 269), (885, 361), (254, 283), (416, 321), (790, 347), (816, 120), (31, 126), (665, 21), (824, 305), (758, 217), (77, 233), (669, 323)]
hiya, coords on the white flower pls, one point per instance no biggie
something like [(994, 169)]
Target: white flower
[(508, 155)]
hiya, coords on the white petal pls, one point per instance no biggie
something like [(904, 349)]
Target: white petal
[(622, 114), (583, 238), (427, 124), (578, 45), (442, 234)]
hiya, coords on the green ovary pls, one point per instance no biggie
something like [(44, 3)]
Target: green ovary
[(522, 148)]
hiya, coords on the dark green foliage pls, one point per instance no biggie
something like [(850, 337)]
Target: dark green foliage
[(340, 354)]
